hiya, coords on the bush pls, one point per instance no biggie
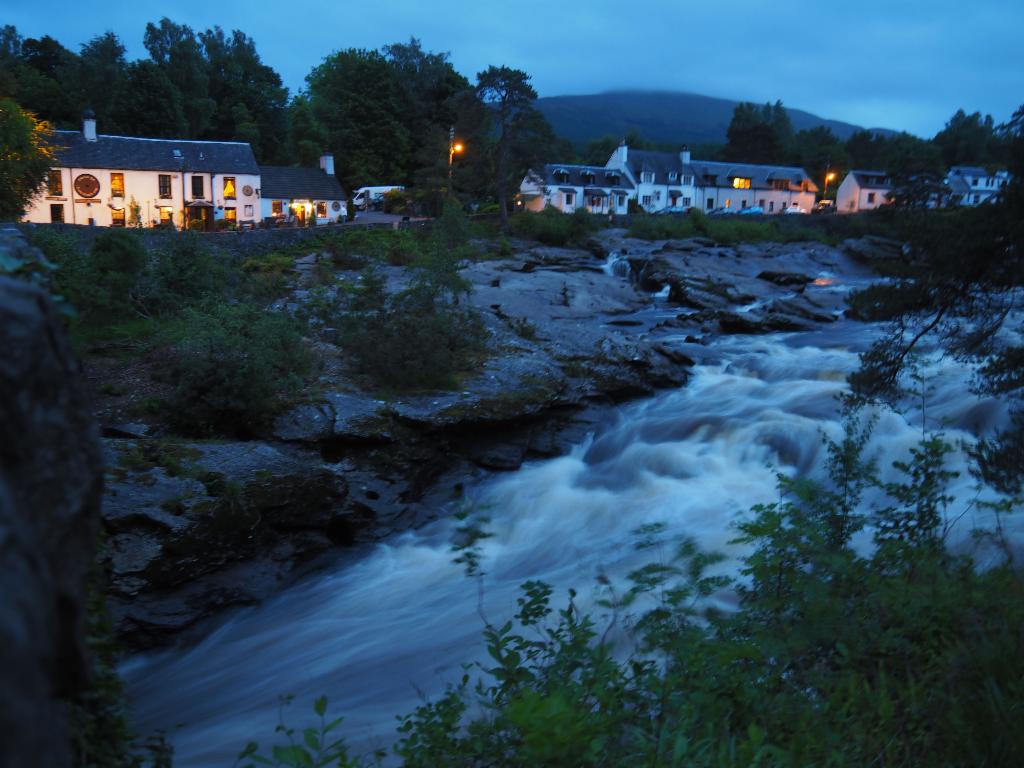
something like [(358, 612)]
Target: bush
[(108, 283), (552, 227), (232, 366), (186, 272), (423, 336)]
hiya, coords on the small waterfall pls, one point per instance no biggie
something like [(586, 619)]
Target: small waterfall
[(616, 266)]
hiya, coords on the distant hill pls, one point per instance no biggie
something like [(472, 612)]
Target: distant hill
[(664, 117)]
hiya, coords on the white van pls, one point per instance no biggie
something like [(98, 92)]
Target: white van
[(366, 198)]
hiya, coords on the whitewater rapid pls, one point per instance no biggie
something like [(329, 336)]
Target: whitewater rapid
[(377, 634)]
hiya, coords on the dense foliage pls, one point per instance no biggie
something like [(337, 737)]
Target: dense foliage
[(424, 335), (26, 153)]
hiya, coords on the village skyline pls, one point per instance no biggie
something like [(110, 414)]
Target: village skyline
[(908, 69)]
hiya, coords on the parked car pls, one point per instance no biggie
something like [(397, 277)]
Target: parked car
[(721, 211), (366, 198), (794, 209), (752, 210), (825, 206)]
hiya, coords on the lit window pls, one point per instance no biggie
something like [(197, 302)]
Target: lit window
[(276, 207), (321, 210), (166, 214), (230, 214), (229, 187), (55, 186), (739, 182), (117, 217), (117, 184), (728, 202), (165, 185)]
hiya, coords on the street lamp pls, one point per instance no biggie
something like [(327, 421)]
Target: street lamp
[(453, 148), (829, 176)]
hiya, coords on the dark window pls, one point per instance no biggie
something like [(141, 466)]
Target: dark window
[(711, 203), (165, 185), (197, 188), (55, 186), (117, 217), (57, 213), (871, 197), (117, 184)]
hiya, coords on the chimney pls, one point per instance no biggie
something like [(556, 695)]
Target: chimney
[(684, 155), (89, 125), (327, 163), (621, 155)]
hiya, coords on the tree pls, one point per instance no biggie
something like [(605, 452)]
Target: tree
[(101, 75), (177, 51), (356, 95), (149, 104), (866, 150), (758, 134), (509, 93), (960, 289), (969, 140), (26, 156), (818, 151)]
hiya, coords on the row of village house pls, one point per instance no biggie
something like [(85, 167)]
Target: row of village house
[(108, 180), (669, 181)]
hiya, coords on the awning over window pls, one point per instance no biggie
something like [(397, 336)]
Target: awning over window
[(566, 189), (200, 204), (592, 192)]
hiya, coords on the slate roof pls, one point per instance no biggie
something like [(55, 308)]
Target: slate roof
[(959, 185), (278, 181), (761, 176), (660, 163), (603, 177), (870, 179), (968, 170), (134, 154)]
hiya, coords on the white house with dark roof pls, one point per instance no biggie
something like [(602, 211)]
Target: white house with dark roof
[(863, 191), (107, 181), (671, 181), (593, 188), (973, 185), (301, 194)]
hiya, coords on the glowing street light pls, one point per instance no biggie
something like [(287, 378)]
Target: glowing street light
[(453, 148), (829, 176)]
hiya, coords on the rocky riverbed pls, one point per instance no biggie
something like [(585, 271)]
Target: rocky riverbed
[(196, 526)]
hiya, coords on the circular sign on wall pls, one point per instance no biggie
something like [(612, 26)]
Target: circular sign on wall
[(335, 206), (247, 190), (87, 185)]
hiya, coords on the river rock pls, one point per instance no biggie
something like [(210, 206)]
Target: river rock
[(50, 489)]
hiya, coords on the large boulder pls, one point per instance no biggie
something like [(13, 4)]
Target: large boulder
[(50, 489)]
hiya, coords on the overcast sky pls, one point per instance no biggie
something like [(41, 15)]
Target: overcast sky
[(902, 64)]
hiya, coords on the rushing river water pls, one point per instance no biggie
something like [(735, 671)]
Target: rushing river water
[(377, 633)]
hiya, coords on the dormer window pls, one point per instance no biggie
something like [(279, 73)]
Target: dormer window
[(612, 178), (177, 154), (687, 180), (673, 176), (561, 176), (588, 177), (740, 182), (647, 177)]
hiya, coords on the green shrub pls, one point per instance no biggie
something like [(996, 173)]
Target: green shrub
[(106, 284), (552, 227), (186, 272), (232, 366)]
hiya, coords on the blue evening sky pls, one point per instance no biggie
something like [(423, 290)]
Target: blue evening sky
[(902, 64)]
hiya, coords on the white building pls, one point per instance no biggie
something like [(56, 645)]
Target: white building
[(300, 194), (668, 181), (569, 188), (972, 185), (116, 181), (863, 191)]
